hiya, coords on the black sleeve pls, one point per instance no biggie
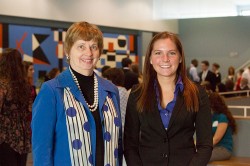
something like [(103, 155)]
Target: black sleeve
[(131, 133), (203, 125)]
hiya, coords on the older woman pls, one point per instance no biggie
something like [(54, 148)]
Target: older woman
[(15, 108), (76, 120), (165, 110)]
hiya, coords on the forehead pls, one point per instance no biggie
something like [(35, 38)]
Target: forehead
[(163, 44), (81, 41)]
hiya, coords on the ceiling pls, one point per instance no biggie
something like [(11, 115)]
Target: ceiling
[(181, 9)]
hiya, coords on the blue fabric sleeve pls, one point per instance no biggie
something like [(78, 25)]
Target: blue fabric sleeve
[(222, 118), (43, 126)]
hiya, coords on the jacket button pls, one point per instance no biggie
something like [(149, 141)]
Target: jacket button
[(164, 155)]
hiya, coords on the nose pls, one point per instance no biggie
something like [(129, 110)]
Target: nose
[(88, 51), (165, 58)]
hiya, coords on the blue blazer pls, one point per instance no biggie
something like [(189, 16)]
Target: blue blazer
[(49, 131)]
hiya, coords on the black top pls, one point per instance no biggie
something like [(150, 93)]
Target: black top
[(87, 87)]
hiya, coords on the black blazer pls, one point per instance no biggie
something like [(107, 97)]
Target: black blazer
[(147, 143), (211, 77)]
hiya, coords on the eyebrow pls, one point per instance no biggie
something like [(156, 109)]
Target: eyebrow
[(164, 50)]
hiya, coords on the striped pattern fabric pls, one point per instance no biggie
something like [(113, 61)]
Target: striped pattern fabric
[(78, 127)]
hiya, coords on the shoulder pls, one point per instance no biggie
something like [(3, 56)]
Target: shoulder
[(222, 118), (135, 91)]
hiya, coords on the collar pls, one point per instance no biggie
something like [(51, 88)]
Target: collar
[(65, 79), (178, 88), (179, 85)]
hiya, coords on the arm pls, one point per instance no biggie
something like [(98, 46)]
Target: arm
[(220, 131), (131, 133), (43, 126), (203, 125)]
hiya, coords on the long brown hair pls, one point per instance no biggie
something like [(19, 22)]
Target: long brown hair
[(190, 92), (219, 106), (12, 70)]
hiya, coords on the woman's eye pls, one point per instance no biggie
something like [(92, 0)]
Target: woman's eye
[(157, 53), (172, 53), (81, 47), (94, 48)]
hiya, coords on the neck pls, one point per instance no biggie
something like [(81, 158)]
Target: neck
[(167, 83), (83, 72)]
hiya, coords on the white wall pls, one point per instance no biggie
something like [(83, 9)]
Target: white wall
[(130, 14)]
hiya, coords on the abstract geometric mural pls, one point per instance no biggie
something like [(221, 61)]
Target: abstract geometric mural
[(116, 47), (38, 55), (44, 47)]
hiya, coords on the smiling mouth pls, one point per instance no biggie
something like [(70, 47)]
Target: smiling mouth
[(165, 66), (87, 60)]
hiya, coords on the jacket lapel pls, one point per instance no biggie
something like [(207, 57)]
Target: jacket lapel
[(154, 120), (65, 79), (177, 109)]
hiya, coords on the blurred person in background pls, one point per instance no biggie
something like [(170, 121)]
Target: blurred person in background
[(193, 73), (29, 68), (238, 80), (52, 74), (15, 109), (104, 68), (215, 70), (207, 75), (246, 74), (223, 126), (244, 84), (136, 70), (131, 78), (231, 74)]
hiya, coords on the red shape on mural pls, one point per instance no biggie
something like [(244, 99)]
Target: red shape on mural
[(19, 43), (111, 47), (37, 61), (131, 43)]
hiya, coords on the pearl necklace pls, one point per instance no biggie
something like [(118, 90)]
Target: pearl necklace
[(94, 106)]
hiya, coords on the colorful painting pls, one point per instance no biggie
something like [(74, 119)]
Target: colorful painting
[(44, 47)]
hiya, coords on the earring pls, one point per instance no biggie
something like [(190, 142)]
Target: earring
[(67, 57)]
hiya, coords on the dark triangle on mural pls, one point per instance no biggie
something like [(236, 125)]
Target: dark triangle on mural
[(39, 55), (40, 37)]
